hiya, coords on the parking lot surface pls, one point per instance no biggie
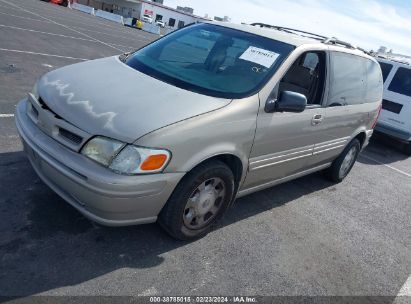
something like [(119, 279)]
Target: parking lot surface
[(306, 237)]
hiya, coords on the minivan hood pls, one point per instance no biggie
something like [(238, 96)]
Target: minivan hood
[(106, 97)]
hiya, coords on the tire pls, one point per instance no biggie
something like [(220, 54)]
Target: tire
[(341, 166), (207, 188), (407, 148)]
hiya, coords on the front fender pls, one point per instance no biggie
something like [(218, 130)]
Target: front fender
[(229, 130)]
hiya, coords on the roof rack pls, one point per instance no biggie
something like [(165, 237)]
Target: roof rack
[(289, 30), (323, 39)]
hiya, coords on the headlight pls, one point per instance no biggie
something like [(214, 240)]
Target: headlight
[(102, 150), (35, 92), (126, 159)]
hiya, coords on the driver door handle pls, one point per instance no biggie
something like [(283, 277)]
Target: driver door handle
[(317, 119)]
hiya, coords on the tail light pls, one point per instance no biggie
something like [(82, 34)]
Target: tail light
[(376, 118)]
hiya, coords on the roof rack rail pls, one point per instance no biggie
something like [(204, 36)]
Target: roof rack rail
[(324, 39), (289, 30)]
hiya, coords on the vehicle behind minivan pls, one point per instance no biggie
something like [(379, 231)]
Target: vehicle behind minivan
[(395, 118)]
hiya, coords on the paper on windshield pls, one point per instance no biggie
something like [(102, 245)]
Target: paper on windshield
[(260, 56)]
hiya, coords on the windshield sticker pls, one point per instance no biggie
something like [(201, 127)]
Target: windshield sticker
[(260, 56)]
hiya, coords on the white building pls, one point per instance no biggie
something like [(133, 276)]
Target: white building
[(173, 18)]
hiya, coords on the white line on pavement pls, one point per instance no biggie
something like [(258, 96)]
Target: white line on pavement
[(60, 35), (6, 115), (46, 33), (42, 54), (404, 293), (388, 166), (406, 288), (65, 26), (27, 18)]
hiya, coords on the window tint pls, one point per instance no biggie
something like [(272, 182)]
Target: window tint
[(171, 22), (306, 76), (212, 60), (374, 81), (401, 83), (348, 79), (386, 69)]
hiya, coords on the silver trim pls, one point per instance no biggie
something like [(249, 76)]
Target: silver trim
[(281, 161), (329, 149), (281, 180), (275, 157)]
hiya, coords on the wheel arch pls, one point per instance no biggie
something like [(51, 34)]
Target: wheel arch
[(234, 162), (361, 138)]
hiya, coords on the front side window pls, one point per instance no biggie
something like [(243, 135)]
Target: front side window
[(306, 76), (386, 69), (212, 60), (401, 83)]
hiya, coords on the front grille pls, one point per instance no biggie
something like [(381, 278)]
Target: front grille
[(391, 106), (70, 136), (34, 110), (46, 107)]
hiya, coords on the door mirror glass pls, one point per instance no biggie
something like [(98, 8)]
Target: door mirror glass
[(288, 102)]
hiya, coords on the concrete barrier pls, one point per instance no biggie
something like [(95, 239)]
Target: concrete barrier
[(110, 16), (128, 21), (151, 28), (82, 8)]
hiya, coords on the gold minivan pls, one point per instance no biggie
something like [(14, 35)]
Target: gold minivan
[(177, 130)]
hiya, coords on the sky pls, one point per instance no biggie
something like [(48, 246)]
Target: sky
[(366, 23)]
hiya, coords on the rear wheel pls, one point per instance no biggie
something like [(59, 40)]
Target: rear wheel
[(407, 148), (343, 164), (199, 200)]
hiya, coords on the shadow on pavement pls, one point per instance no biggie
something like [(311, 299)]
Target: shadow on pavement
[(383, 149), (46, 244)]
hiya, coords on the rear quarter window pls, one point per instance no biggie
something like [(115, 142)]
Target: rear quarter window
[(374, 81), (348, 79), (401, 83)]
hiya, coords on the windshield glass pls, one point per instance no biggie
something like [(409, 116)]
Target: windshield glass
[(212, 60)]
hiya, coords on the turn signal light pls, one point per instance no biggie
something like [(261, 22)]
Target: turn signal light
[(153, 162)]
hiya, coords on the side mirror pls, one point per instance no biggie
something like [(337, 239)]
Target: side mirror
[(288, 102)]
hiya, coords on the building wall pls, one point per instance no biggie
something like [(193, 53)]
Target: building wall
[(168, 14), (136, 9)]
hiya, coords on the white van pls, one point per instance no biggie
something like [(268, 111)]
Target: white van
[(395, 118)]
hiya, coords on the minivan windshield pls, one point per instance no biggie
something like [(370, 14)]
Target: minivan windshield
[(212, 60)]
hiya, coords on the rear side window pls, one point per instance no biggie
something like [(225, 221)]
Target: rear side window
[(374, 81), (401, 83), (386, 69), (348, 79)]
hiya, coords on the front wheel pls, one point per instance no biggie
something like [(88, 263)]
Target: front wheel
[(199, 200), (343, 164)]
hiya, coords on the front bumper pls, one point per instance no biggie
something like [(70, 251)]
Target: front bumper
[(98, 193)]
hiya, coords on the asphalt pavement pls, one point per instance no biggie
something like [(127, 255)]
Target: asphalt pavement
[(306, 237)]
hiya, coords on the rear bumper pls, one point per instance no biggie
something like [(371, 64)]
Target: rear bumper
[(98, 193), (393, 132), (368, 135)]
